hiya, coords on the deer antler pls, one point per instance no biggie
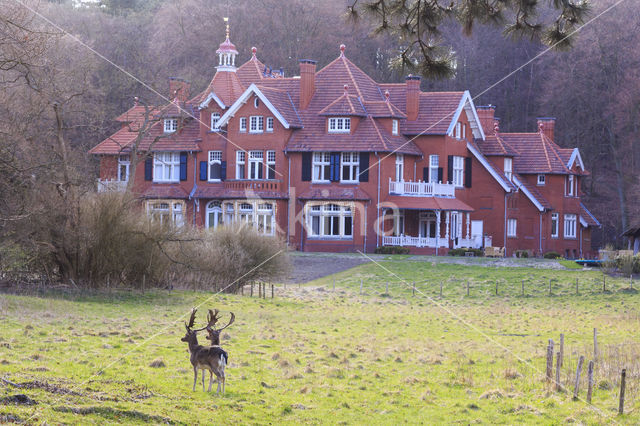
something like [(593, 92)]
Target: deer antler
[(233, 318), (212, 318), (191, 319)]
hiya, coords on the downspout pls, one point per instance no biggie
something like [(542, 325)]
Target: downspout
[(195, 165), (540, 235), (364, 246), (288, 197), (504, 235), (378, 205), (580, 240)]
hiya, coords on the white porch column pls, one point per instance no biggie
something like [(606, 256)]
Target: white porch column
[(437, 230), (446, 234), (468, 224)]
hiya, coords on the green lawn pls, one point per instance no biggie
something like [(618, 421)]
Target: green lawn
[(315, 355)]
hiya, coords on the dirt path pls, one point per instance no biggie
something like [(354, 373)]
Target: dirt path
[(311, 266)]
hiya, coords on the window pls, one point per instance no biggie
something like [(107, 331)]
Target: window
[(215, 165), (255, 164), (434, 164), (508, 167), (399, 167), (243, 124), (123, 168), (394, 127), (264, 218), (170, 125), (542, 179), (554, 225), (269, 124), (256, 124), (512, 225), (166, 212), (215, 116), (321, 167), (256, 102), (350, 167), (464, 131), (458, 130), (229, 215), (458, 171), (571, 186), (330, 221), (166, 167), (245, 214), (569, 225), (214, 215), (271, 164), (340, 125), (398, 223), (240, 164)]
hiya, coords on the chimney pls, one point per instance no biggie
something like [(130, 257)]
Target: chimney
[(486, 114), (547, 126), (413, 97), (307, 81), (179, 88)]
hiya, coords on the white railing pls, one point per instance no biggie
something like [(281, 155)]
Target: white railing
[(111, 185), (422, 189), (406, 240)]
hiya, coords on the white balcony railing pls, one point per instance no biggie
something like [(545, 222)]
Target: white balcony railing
[(422, 189), (111, 185), (406, 240)]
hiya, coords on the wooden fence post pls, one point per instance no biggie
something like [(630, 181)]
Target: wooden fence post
[(361, 283), (577, 292), (441, 289), (550, 361), (467, 287), (578, 370), (242, 290), (496, 287), (558, 365), (334, 284), (590, 378), (413, 289), (523, 287), (264, 290), (561, 349), (623, 377), (251, 294), (549, 286), (272, 291), (604, 282), (595, 344)]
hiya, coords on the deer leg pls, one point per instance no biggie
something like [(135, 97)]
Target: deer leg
[(203, 380), (195, 377), (210, 380)]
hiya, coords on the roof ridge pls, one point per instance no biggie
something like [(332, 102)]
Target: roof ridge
[(353, 110), (546, 154), (346, 66), (375, 126), (554, 149)]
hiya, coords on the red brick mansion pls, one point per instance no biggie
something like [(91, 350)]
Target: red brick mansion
[(331, 160)]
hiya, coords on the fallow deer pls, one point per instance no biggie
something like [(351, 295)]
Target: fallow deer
[(214, 333), (212, 358)]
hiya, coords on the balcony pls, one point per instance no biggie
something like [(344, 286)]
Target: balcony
[(408, 241), (106, 185), (253, 185), (422, 189)]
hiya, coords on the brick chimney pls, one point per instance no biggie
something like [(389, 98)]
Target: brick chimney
[(486, 114), (547, 125), (179, 88), (413, 97), (307, 81)]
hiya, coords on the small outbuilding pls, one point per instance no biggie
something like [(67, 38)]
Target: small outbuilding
[(633, 234)]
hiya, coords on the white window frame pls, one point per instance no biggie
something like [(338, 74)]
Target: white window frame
[(321, 167), (508, 168), (570, 186), (512, 228), (394, 127), (256, 159), (243, 124), (166, 167), (246, 213), (570, 225), (256, 124), (214, 207), (458, 130), (458, 171), (271, 165), (399, 167), (215, 116), (265, 219), (270, 122), (349, 167), (256, 102), (170, 125), (339, 125), (434, 165), (542, 180), (464, 131), (215, 157), (124, 163), (555, 219), (330, 221), (240, 164), (167, 212), (398, 223)]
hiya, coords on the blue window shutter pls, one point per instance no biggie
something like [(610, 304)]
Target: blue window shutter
[(450, 168), (440, 174), (148, 168), (364, 167), (223, 170), (425, 174), (183, 166), (334, 166), (306, 166), (467, 172), (260, 167), (203, 170)]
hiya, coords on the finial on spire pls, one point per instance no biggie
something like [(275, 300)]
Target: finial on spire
[(136, 100), (496, 126), (346, 89), (541, 126), (342, 49), (254, 50), (386, 95), (226, 21)]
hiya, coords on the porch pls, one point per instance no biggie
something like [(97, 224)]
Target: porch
[(421, 189)]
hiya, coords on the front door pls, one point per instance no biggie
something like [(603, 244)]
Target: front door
[(476, 233), (427, 227)]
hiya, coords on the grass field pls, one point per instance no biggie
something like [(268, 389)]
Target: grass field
[(315, 355)]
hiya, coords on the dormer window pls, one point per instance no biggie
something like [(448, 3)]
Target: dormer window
[(339, 125), (170, 125), (542, 179), (394, 127), (508, 167), (215, 116)]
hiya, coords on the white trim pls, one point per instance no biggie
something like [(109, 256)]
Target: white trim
[(466, 103), (598, 224), (583, 222), (253, 89), (529, 195), (575, 155), (489, 168), (213, 96)]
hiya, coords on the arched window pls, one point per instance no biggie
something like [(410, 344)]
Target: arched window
[(214, 215)]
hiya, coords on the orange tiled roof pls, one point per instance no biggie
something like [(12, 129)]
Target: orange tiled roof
[(537, 153)]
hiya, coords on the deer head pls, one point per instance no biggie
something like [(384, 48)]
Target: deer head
[(214, 333), (191, 335)]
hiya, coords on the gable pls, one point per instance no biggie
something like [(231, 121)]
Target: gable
[(482, 160), (575, 159), (208, 99), (252, 90)]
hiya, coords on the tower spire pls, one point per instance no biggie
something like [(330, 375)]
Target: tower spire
[(226, 52)]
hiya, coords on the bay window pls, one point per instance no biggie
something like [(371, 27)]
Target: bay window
[(166, 212), (330, 221), (265, 217), (166, 167)]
